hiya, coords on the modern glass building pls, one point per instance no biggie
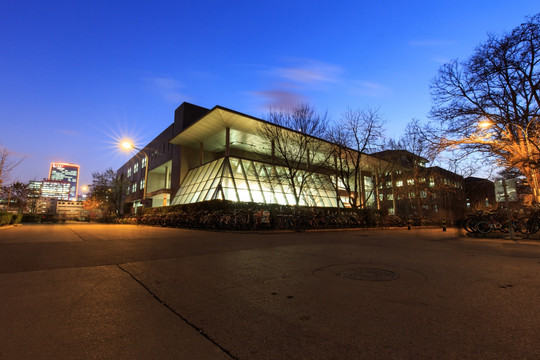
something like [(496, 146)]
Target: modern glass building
[(221, 154), (224, 155), (67, 173)]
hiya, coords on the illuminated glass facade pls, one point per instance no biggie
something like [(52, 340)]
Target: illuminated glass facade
[(68, 173), (35, 188), (55, 189), (236, 179)]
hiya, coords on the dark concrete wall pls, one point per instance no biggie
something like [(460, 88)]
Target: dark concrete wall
[(159, 150)]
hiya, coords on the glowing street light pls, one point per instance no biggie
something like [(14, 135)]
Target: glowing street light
[(128, 145), (485, 124)]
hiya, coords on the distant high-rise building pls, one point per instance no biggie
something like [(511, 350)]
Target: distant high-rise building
[(57, 189), (35, 188), (66, 173)]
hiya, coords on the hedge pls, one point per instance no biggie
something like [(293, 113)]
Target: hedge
[(16, 218), (5, 218)]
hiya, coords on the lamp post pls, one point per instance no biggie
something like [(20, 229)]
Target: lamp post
[(129, 146)]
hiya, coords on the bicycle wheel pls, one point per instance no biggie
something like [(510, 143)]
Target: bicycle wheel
[(468, 225), (502, 226), (483, 227), (521, 225), (533, 225)]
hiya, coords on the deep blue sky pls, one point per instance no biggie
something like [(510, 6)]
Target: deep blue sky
[(75, 75)]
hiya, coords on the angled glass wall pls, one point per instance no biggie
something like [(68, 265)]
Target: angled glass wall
[(243, 180)]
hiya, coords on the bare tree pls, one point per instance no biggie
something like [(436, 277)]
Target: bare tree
[(358, 132), (16, 196), (499, 87), (294, 141), (6, 164), (106, 191)]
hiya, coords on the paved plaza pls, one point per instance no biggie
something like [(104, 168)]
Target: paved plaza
[(89, 291)]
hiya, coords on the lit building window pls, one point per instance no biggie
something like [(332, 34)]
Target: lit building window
[(143, 162), (134, 187), (399, 183), (431, 182), (142, 184), (129, 172), (135, 168), (245, 180), (410, 181)]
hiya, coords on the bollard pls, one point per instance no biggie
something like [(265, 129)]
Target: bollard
[(409, 222), (443, 224)]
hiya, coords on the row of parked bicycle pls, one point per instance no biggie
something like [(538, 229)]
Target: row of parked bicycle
[(245, 220), (486, 222)]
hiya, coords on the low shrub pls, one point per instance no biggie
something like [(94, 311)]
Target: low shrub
[(5, 218), (16, 218)]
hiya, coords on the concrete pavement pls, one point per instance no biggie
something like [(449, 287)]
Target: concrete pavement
[(135, 292)]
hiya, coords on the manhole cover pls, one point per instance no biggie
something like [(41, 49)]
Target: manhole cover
[(370, 274)]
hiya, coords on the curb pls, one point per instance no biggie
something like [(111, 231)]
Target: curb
[(10, 226)]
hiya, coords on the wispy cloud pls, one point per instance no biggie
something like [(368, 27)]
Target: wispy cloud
[(290, 84), (168, 88), (368, 88), (279, 99), (310, 72), (441, 60)]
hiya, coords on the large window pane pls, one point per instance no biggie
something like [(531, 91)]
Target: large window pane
[(244, 195), (230, 194), (257, 196)]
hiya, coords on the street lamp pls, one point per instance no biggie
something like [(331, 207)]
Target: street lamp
[(129, 146), (484, 124)]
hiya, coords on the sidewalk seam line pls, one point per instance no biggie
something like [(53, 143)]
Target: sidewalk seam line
[(199, 330), (76, 233)]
